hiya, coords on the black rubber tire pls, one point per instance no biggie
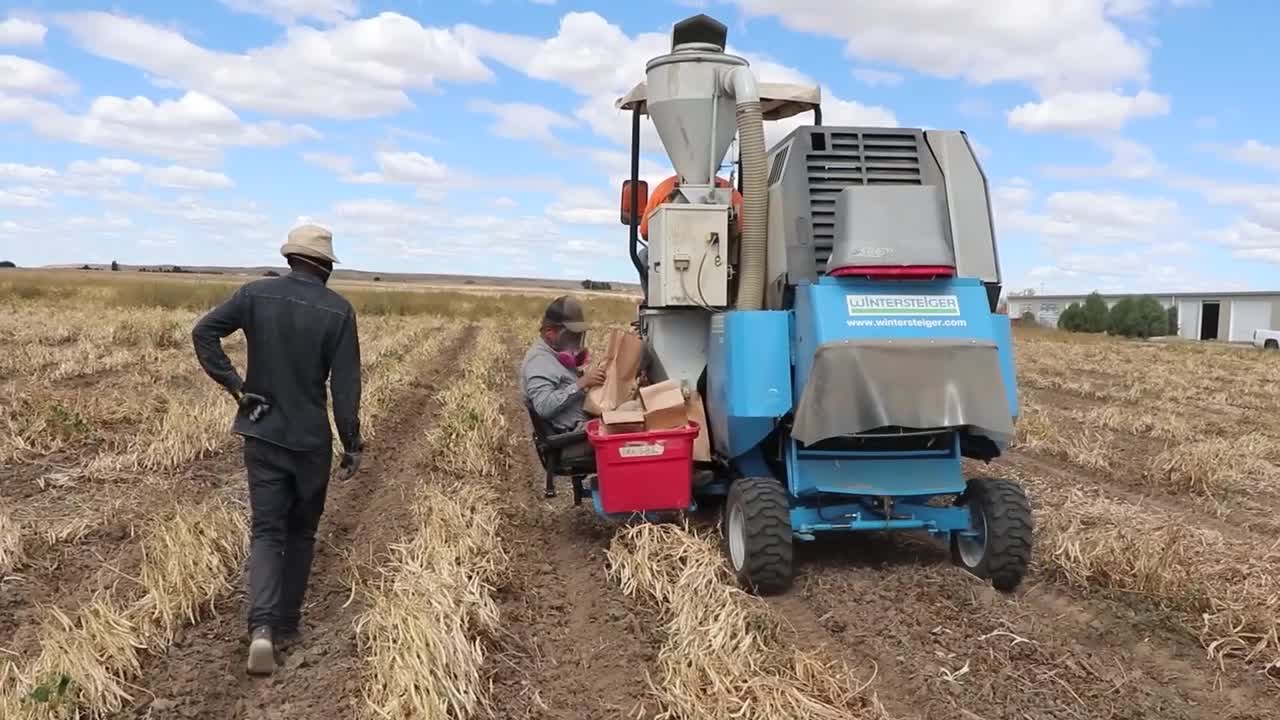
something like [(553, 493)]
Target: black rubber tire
[(768, 553), (1271, 345), (1007, 513)]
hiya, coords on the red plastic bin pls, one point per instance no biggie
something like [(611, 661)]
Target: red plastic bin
[(645, 471)]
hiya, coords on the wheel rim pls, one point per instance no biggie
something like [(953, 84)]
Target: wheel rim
[(737, 538), (973, 547)]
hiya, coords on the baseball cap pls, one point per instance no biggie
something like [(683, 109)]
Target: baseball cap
[(567, 312)]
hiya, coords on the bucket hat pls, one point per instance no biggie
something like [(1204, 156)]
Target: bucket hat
[(310, 241)]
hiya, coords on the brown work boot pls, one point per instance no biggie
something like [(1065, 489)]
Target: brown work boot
[(262, 652)]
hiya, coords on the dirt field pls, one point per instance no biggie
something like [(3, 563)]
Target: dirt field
[(445, 586)]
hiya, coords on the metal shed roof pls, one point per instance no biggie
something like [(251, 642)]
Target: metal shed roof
[(1186, 295)]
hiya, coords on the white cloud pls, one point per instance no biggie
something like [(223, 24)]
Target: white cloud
[(1246, 235), (356, 69), (1016, 194), (610, 123), (504, 203), (834, 112), (341, 164), (1253, 152), (1091, 111), (588, 54), (1074, 218), (583, 206), (16, 172), (411, 168), (1131, 271), (177, 176), (1129, 161), (16, 31), (877, 78), (104, 174), (598, 60), (291, 11), (194, 127), (25, 196), (1051, 45), (105, 166), (461, 241), (524, 121), (20, 75)]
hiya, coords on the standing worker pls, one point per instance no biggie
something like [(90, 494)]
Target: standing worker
[(299, 334)]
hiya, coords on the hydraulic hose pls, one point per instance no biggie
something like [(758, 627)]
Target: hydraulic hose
[(755, 205)]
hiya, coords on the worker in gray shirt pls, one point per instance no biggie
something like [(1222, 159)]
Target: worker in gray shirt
[(552, 375), (301, 335)]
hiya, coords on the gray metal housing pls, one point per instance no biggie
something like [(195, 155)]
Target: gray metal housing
[(811, 168)]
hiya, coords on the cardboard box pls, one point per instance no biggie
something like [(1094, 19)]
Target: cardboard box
[(619, 422), (664, 406), (621, 362), (696, 412)]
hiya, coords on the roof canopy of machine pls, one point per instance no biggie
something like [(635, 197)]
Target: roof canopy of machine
[(777, 100)]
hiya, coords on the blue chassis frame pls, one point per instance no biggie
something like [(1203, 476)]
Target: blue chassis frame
[(936, 475)]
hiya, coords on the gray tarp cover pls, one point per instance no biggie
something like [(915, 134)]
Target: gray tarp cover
[(858, 386)]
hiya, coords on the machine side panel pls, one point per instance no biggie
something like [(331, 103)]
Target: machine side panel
[(867, 315), (749, 377), (1008, 369), (968, 204)]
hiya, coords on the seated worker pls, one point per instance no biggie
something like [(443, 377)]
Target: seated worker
[(552, 376)]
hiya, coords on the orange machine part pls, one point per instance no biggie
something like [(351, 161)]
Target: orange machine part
[(667, 188)]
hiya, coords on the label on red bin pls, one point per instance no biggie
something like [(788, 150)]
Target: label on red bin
[(642, 449)]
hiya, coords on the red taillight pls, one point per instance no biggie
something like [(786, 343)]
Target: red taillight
[(896, 272)]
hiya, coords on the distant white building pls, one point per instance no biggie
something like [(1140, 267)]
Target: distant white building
[(1229, 316)]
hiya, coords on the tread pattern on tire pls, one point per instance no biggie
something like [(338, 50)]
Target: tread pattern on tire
[(1009, 530), (767, 525)]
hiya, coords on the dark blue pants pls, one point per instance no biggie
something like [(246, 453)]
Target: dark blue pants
[(286, 496)]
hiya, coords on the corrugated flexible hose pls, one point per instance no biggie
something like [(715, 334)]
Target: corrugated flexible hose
[(755, 207)]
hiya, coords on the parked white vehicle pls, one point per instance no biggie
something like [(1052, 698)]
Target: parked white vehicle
[(1267, 339)]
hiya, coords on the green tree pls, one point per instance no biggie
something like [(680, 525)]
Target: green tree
[(1141, 317), (1094, 318), (1028, 318), (1120, 320), (1173, 319), (1071, 319), (1151, 318)]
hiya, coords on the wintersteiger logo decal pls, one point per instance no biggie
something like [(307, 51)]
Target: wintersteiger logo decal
[(881, 305)]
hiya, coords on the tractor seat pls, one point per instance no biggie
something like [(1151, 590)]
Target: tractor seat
[(561, 454)]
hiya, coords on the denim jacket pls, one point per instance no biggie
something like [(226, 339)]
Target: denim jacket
[(299, 334)]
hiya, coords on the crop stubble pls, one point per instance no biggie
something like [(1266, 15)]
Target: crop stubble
[(1144, 601)]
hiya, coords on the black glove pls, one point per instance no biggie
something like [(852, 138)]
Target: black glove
[(255, 405), (350, 463)]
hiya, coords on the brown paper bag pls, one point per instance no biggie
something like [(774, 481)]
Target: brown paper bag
[(698, 413), (621, 364)]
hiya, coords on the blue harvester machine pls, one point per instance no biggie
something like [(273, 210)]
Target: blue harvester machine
[(837, 312)]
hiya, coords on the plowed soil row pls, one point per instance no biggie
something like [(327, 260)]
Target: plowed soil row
[(573, 647), (106, 557), (948, 646), (202, 675), (577, 648)]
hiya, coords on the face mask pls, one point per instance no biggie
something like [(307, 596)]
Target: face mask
[(571, 360)]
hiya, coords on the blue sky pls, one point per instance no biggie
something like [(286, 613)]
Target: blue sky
[(1130, 144)]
